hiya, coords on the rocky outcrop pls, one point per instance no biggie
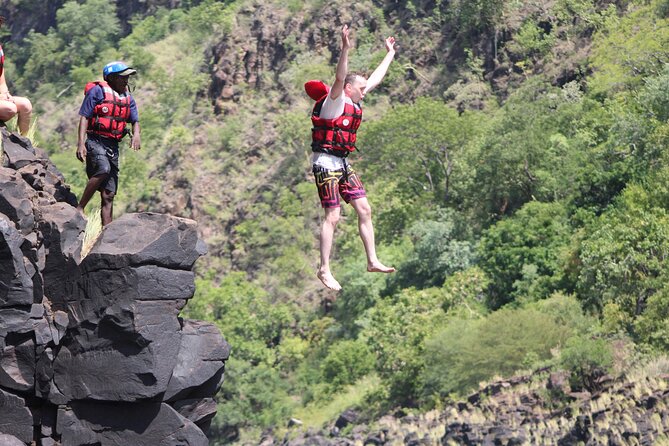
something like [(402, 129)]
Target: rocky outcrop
[(93, 351), (526, 410)]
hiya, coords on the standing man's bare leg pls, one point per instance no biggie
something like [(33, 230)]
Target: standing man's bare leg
[(327, 237), (107, 208), (91, 187), (366, 228)]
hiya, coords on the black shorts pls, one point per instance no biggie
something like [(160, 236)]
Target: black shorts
[(102, 159)]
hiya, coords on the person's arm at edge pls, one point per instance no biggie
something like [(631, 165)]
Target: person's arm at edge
[(342, 65), (380, 72), (136, 141), (81, 138), (4, 89)]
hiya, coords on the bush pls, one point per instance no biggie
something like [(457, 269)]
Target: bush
[(467, 352), (652, 327), (587, 359), (346, 362)]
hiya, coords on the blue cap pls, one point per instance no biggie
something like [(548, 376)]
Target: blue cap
[(118, 68)]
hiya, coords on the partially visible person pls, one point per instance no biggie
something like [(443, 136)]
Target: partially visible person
[(107, 107), (11, 106)]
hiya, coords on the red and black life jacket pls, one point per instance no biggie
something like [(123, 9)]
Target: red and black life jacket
[(335, 136), (110, 115)]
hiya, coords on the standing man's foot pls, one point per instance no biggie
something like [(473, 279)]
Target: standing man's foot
[(328, 280), (379, 267)]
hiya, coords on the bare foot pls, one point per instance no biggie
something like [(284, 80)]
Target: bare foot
[(328, 280), (379, 268)]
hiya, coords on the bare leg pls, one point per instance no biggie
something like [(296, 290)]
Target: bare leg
[(91, 187), (366, 228), (327, 236), (7, 110), (107, 208), (24, 109)]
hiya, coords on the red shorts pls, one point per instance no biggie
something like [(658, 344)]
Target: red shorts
[(332, 183)]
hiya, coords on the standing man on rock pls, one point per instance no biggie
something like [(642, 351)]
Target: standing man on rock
[(336, 118), (106, 109)]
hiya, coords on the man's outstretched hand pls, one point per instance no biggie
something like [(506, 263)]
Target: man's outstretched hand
[(345, 42), (390, 44)]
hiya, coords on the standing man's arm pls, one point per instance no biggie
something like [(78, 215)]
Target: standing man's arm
[(135, 141), (81, 140), (377, 76), (342, 65)]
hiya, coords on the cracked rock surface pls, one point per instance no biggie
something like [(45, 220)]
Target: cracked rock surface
[(92, 350)]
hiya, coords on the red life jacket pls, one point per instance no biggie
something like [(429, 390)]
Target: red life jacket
[(110, 115), (335, 136)]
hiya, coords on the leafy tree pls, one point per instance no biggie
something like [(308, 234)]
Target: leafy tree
[(523, 255), (249, 320), (536, 147), (476, 15), (253, 395), (76, 41), (437, 253), (427, 153), (628, 49), (395, 330), (652, 326), (623, 257)]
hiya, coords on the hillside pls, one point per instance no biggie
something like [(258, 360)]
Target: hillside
[(513, 156)]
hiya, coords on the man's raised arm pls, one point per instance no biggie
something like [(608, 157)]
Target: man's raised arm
[(377, 76), (342, 65)]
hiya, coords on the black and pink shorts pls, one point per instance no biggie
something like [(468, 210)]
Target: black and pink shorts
[(333, 183)]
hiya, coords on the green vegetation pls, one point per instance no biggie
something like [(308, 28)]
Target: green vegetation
[(527, 212)]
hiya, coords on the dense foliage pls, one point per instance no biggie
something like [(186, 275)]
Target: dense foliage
[(528, 215)]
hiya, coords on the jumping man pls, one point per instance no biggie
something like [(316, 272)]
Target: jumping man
[(336, 118)]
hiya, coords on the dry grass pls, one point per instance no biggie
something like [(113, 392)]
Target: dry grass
[(93, 230)]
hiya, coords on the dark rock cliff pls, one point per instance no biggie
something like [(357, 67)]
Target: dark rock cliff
[(93, 351)]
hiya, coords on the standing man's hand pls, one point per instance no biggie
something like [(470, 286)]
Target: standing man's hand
[(81, 152), (135, 143)]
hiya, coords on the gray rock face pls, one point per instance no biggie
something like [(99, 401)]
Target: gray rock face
[(139, 424), (16, 274), (93, 351), (16, 420)]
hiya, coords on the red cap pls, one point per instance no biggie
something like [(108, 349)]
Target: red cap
[(316, 89)]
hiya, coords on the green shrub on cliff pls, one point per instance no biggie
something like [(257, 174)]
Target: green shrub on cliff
[(465, 352)]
